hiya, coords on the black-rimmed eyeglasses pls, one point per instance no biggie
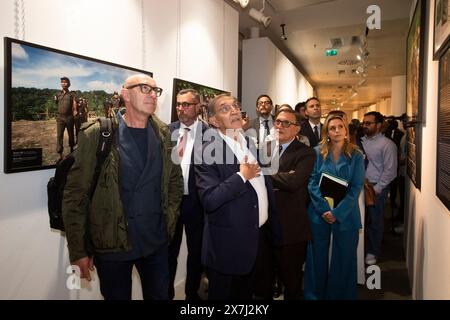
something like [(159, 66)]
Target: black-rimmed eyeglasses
[(185, 105), (146, 89), (284, 123)]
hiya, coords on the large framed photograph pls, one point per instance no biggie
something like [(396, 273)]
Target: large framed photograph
[(414, 91), (443, 130), (206, 94), (43, 118), (441, 26)]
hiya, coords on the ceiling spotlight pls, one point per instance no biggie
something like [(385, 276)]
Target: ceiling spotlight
[(259, 16), (283, 35), (243, 3)]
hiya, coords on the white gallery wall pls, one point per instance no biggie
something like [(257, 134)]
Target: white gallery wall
[(266, 70), (428, 236), (195, 40)]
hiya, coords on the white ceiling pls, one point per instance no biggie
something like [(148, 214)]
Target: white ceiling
[(310, 24)]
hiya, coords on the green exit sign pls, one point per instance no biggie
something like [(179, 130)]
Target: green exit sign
[(331, 52)]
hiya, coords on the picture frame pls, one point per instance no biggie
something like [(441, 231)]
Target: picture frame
[(441, 33), (443, 132), (32, 112), (206, 94), (414, 91)]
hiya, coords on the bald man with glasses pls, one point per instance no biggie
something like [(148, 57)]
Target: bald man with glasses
[(134, 209)]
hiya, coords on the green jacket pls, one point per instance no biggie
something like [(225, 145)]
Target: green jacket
[(100, 226)]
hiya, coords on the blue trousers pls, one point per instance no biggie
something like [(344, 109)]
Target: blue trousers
[(375, 225), (335, 279), (115, 276)]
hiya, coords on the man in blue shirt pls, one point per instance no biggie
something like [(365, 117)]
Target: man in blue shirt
[(381, 169)]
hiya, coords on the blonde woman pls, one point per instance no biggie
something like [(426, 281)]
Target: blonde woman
[(337, 278)]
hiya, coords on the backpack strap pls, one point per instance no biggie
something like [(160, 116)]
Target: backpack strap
[(103, 148)]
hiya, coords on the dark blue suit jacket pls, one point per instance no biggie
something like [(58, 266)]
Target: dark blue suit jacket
[(231, 232), (308, 132), (191, 209)]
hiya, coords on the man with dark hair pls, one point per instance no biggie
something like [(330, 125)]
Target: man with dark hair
[(66, 102), (381, 169), (189, 131), (301, 109), (312, 128), (264, 123)]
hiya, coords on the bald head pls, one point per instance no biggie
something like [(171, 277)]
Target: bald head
[(140, 95), (139, 79)]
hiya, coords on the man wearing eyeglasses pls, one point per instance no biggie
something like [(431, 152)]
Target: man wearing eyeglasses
[(240, 216), (263, 125), (312, 128), (381, 169), (291, 198), (188, 131), (135, 206)]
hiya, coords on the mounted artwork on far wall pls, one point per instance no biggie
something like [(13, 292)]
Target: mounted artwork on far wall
[(414, 91), (441, 26), (206, 94)]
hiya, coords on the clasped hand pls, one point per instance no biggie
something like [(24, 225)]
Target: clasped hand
[(249, 170), (329, 217)]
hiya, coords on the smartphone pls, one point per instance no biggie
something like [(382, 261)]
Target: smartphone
[(244, 114)]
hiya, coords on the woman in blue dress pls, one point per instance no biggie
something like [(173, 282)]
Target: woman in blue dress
[(334, 277)]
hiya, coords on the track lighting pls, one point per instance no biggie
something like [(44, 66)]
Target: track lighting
[(259, 16), (243, 3)]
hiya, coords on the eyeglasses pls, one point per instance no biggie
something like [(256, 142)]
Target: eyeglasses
[(368, 123), (267, 103), (185, 105), (146, 89), (226, 108), (284, 123)]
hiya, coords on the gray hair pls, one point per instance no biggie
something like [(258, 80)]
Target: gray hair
[(194, 93), (212, 103)]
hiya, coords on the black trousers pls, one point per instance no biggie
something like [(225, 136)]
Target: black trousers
[(115, 276), (257, 283), (289, 260), (194, 234)]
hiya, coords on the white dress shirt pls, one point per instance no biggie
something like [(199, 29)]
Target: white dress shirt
[(186, 161), (240, 150)]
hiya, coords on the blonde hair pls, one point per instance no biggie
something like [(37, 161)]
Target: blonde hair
[(325, 143)]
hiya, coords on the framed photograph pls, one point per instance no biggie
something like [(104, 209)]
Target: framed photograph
[(441, 26), (206, 94), (443, 130), (414, 91), (42, 119)]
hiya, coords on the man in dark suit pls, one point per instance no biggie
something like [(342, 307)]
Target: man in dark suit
[(263, 124), (291, 196), (188, 132), (240, 216), (312, 128)]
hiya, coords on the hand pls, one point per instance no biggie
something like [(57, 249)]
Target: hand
[(86, 265), (329, 217), (249, 170)]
